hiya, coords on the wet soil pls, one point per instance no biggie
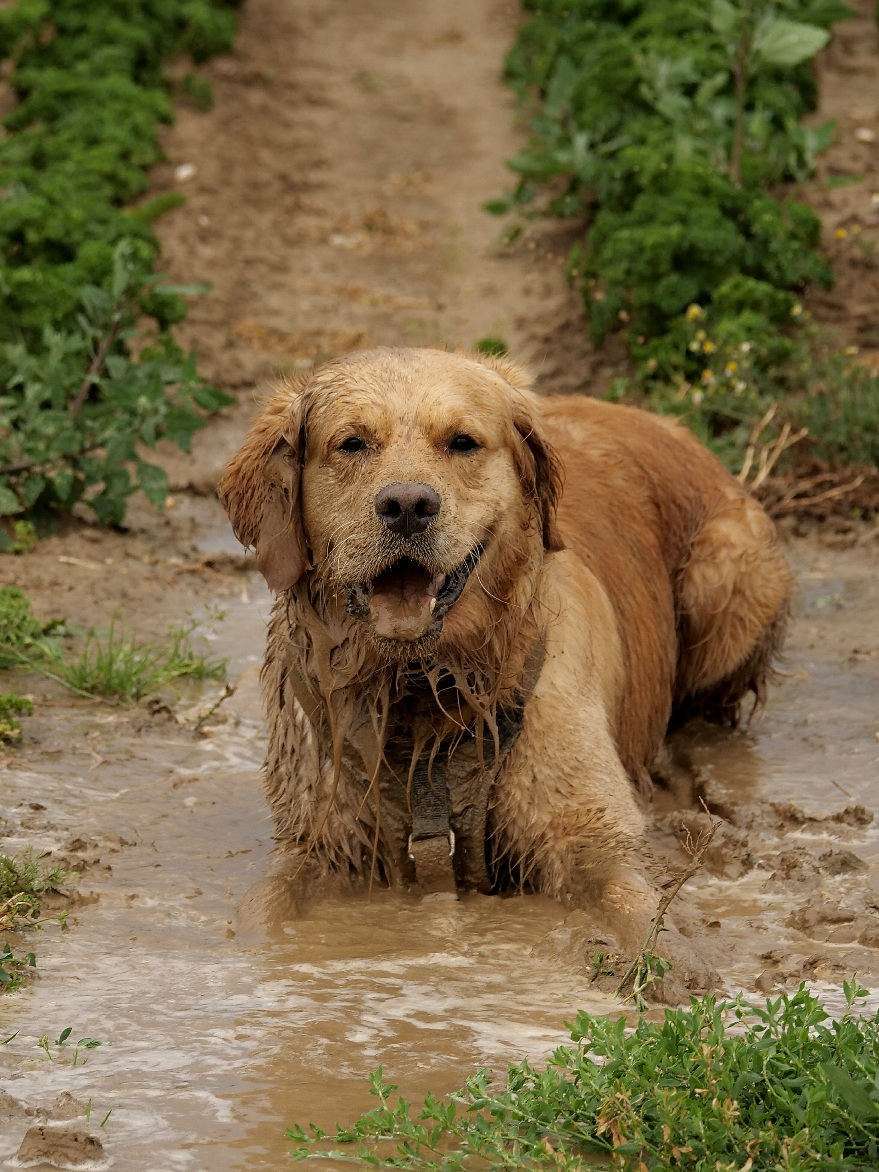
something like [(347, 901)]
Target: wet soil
[(335, 201)]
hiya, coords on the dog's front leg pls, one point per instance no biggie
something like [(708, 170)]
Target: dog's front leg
[(564, 814)]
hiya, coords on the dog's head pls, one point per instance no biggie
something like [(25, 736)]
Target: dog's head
[(395, 477)]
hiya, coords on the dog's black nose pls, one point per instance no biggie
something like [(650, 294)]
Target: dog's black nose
[(407, 509)]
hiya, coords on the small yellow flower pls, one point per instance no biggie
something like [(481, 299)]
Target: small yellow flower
[(841, 233), (796, 310), (694, 312), (708, 378), (697, 398), (700, 334), (851, 351), (856, 229), (708, 346), (695, 347), (731, 367)]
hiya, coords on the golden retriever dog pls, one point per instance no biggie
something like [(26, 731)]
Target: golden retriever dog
[(490, 606)]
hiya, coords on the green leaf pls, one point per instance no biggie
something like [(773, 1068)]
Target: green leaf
[(212, 398), (789, 42), (32, 489), (9, 502), (853, 1094), (724, 17), (153, 482), (63, 482)]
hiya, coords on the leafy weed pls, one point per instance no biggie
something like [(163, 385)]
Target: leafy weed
[(721, 1086)]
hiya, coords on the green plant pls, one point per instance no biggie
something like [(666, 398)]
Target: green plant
[(14, 970), (492, 346), (669, 126), (22, 636), (122, 667), (12, 706), (721, 1086), (23, 883), (839, 407), (111, 664), (60, 1044), (76, 263)]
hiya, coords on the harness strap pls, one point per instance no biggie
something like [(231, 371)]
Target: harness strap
[(432, 841), (447, 856)]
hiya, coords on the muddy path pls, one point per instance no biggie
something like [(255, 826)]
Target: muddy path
[(334, 200)]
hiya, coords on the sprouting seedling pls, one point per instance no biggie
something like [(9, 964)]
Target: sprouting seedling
[(85, 1044), (61, 1042)]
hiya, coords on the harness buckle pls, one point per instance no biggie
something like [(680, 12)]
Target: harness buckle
[(450, 835)]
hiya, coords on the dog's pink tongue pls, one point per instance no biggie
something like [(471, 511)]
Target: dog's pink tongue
[(401, 604)]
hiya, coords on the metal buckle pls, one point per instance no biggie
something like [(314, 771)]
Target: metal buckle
[(450, 836)]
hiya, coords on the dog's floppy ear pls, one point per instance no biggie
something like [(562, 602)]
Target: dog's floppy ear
[(541, 471), (538, 463), (260, 490)]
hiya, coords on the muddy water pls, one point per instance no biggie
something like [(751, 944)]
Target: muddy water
[(213, 1047)]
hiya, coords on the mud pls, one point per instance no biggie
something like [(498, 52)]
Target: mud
[(336, 201)]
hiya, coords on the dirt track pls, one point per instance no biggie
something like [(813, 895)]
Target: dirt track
[(336, 201)]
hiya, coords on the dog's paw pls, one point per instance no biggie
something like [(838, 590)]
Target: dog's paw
[(690, 972), (629, 906)]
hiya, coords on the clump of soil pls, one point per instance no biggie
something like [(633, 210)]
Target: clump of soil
[(60, 1147)]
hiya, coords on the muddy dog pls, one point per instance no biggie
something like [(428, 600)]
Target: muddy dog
[(490, 606)]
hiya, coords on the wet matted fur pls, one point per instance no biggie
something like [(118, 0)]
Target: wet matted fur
[(608, 538)]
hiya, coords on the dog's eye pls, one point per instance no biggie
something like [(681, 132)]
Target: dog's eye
[(352, 444), (462, 443)]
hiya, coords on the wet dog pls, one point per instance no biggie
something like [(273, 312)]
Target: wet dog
[(490, 607)]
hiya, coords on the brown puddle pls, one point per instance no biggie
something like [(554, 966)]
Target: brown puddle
[(212, 1048)]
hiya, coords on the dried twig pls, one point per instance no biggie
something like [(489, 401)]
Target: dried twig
[(791, 502), (644, 970), (770, 453), (752, 442)]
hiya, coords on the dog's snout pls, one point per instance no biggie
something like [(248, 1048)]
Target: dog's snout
[(407, 509)]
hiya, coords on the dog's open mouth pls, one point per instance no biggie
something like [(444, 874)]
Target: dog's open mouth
[(407, 601)]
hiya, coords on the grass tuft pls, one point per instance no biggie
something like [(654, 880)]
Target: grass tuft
[(115, 665), (12, 706), (118, 666), (23, 883)]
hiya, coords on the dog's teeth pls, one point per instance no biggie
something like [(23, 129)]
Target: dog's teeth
[(432, 605)]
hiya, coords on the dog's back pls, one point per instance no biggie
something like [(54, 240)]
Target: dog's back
[(691, 564)]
